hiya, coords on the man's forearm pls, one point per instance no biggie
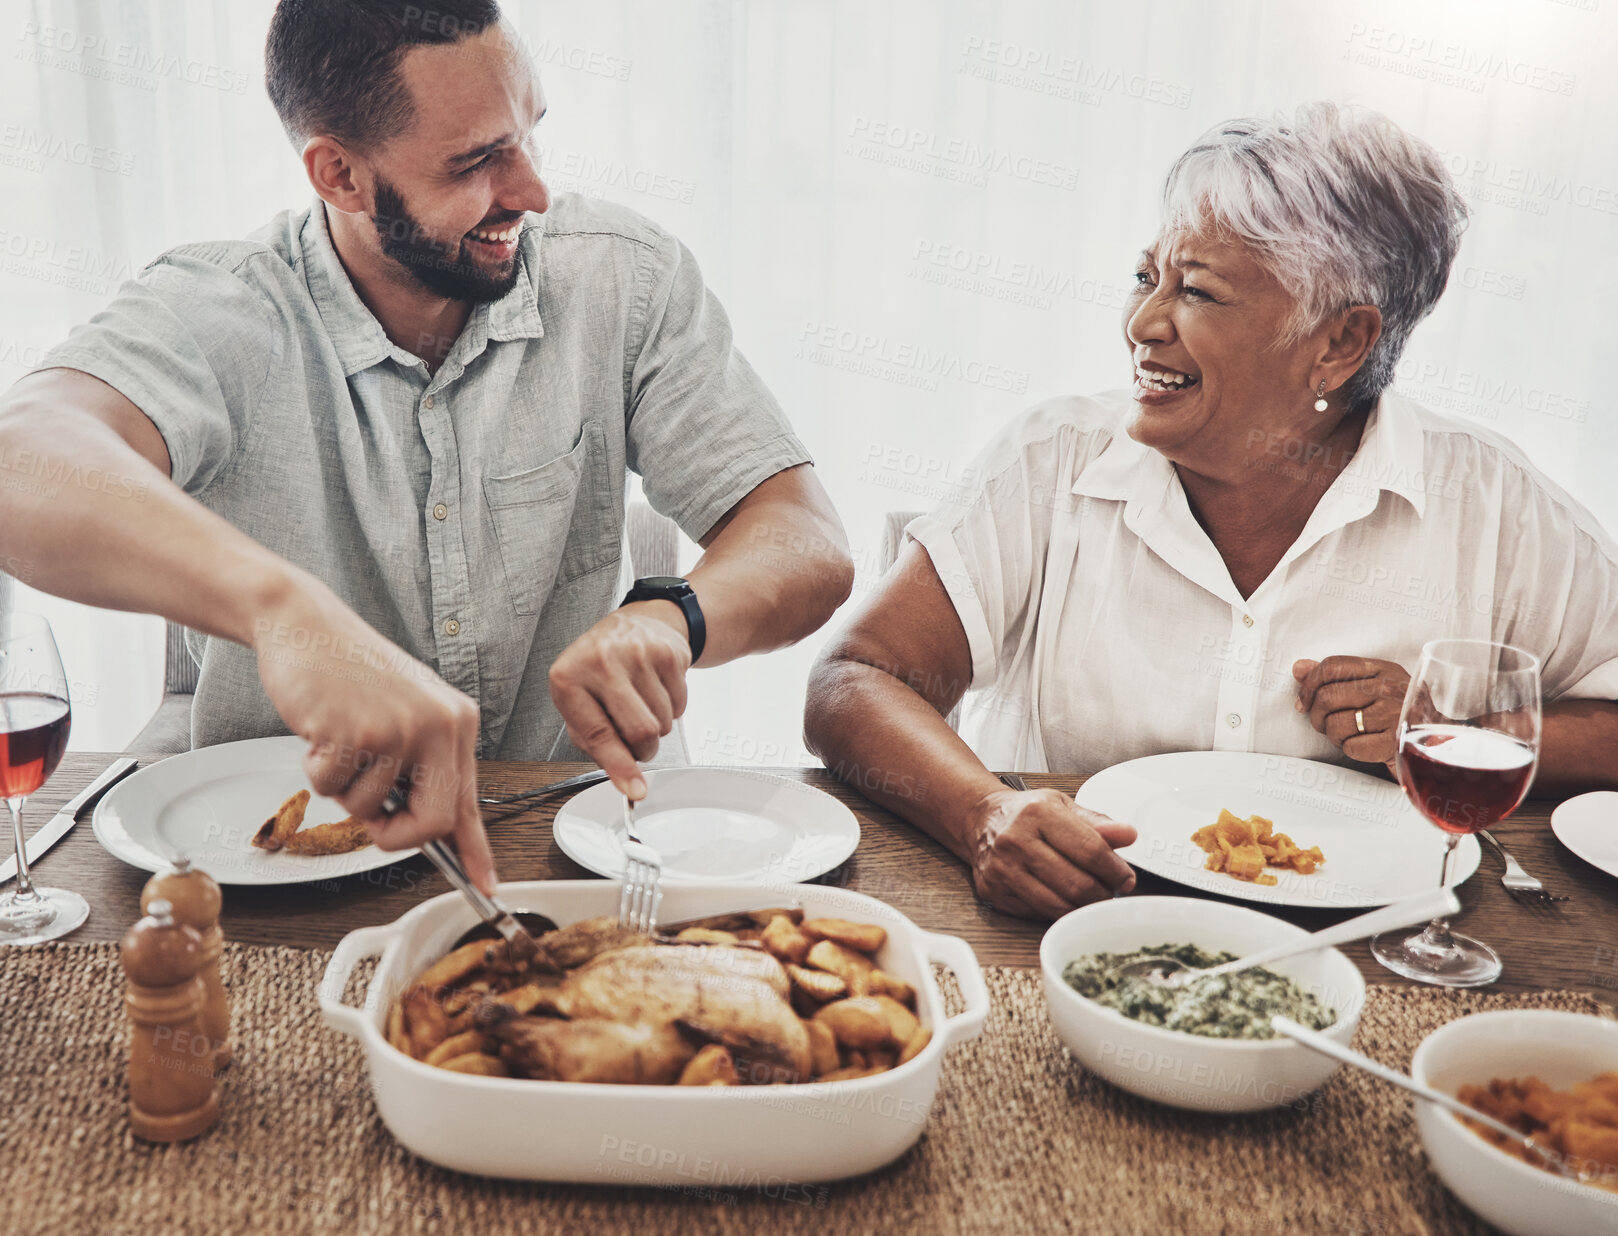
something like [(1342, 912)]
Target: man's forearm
[(84, 516), (1578, 748), (775, 572)]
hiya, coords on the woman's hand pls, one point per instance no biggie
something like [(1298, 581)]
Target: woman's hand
[(1038, 854), (1334, 690)]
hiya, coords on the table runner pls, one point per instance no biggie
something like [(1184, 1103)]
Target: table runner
[(1021, 1139)]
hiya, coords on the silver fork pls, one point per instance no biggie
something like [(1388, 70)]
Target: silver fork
[(1518, 882), (642, 890)]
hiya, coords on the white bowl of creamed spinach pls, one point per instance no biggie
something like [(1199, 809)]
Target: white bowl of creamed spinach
[(1202, 1047)]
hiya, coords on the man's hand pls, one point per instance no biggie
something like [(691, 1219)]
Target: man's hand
[(1334, 690), (620, 686), (372, 715), (1039, 854)]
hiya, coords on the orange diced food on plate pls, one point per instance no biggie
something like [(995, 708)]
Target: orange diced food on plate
[(1234, 832), (1244, 848), (1245, 862), (1305, 861)]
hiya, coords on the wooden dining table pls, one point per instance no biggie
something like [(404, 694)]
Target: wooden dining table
[(1572, 945)]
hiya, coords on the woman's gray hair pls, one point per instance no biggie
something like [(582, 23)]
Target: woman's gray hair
[(1342, 207)]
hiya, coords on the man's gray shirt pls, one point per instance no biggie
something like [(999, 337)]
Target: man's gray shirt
[(474, 515)]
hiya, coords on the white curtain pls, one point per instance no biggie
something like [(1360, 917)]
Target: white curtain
[(921, 214)]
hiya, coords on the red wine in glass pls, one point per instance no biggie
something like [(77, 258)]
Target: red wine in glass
[(33, 736), (35, 716), (1464, 778), (1468, 748)]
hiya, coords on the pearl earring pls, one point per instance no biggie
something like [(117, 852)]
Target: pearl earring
[(1320, 397)]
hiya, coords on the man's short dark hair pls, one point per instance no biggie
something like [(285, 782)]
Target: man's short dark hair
[(332, 66)]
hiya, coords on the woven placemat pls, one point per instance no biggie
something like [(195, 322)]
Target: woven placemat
[(1021, 1139)]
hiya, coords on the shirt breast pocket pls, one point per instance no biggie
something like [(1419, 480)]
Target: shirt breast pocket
[(535, 513)]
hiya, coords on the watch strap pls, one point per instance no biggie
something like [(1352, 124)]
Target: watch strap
[(683, 595)]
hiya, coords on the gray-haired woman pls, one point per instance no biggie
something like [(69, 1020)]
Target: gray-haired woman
[(1244, 551)]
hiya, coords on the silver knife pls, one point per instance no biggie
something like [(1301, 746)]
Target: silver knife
[(63, 821), (555, 787)]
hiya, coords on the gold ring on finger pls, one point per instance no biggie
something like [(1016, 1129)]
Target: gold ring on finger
[(1359, 719)]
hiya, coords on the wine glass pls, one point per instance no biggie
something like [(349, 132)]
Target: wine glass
[(35, 715), (1468, 748)]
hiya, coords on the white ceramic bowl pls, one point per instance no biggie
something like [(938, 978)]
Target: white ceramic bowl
[(1188, 1070), (1558, 1048), (774, 1138)]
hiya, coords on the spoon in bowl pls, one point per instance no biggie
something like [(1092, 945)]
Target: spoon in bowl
[(1330, 1047), (1423, 908)]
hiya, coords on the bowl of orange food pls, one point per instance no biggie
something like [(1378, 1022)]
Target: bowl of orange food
[(1551, 1075), (766, 1047)]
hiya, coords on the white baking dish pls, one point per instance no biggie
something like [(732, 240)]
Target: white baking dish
[(770, 1137)]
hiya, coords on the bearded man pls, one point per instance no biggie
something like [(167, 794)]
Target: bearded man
[(374, 456)]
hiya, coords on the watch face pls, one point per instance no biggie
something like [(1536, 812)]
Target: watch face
[(660, 582)]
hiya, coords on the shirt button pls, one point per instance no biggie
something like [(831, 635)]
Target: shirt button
[(452, 627), (1233, 720), (440, 511), (1247, 619), (427, 402)]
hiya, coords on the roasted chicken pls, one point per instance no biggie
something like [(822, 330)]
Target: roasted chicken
[(744, 998), (593, 1050), (627, 1010)]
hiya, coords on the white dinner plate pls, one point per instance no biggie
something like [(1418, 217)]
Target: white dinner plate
[(1588, 825), (713, 824), (207, 804), (1378, 847)]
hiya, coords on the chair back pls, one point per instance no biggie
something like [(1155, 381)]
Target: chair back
[(179, 670), (654, 541), (893, 535)]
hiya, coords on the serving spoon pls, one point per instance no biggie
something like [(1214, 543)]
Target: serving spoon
[(1316, 1041), (498, 920), (1169, 972)]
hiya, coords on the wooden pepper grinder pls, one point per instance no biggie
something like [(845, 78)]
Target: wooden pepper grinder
[(196, 899), (172, 1092)]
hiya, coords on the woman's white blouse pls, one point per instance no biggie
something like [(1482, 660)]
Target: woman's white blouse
[(1104, 625)]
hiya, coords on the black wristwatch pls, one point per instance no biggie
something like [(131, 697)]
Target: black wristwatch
[(673, 588)]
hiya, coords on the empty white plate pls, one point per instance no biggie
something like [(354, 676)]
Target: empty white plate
[(1378, 847), (207, 804), (1588, 825), (713, 824)]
